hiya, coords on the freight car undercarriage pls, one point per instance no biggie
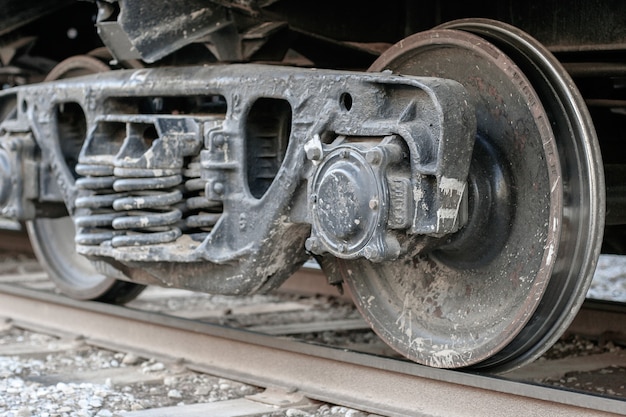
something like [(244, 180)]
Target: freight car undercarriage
[(456, 187), (187, 187)]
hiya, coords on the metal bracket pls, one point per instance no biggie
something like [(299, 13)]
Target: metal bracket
[(19, 176)]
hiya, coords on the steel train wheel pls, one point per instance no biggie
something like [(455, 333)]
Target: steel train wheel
[(75, 276), (53, 238), (502, 290)]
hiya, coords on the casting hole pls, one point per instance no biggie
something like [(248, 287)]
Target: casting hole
[(345, 101), (150, 135), (72, 131), (24, 106), (268, 127)]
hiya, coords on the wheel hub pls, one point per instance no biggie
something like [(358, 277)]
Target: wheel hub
[(350, 201), (343, 188)]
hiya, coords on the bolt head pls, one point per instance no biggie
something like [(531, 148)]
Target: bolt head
[(369, 252), (312, 244), (374, 156), (314, 154)]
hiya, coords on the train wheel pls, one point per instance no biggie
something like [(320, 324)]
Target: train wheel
[(501, 291), (75, 276), (53, 238)]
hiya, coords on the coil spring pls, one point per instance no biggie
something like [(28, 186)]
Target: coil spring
[(97, 199), (148, 213), (203, 213)]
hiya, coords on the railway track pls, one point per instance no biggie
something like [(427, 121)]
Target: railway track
[(337, 374)]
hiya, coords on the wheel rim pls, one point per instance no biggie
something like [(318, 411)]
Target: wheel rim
[(477, 301), (584, 195), (53, 243)]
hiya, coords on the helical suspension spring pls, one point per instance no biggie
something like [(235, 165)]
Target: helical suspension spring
[(203, 213), (96, 197), (148, 212), (132, 194)]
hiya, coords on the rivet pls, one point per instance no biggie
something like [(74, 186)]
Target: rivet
[(219, 140), (218, 187)]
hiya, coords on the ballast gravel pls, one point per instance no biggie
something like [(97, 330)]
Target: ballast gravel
[(609, 281), (22, 396), (28, 386)]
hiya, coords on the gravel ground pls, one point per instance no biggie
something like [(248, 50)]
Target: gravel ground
[(37, 385), (609, 282)]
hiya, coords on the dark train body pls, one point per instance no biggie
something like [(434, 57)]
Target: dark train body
[(458, 165)]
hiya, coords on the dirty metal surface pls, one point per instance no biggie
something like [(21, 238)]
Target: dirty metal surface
[(481, 276), (492, 275), (130, 170)]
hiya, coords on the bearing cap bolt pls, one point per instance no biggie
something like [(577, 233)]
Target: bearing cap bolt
[(374, 156), (314, 154), (312, 244), (371, 253), (313, 149)]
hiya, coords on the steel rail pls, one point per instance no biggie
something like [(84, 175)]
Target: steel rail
[(599, 317), (374, 384)]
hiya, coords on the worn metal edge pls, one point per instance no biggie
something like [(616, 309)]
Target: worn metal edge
[(366, 382)]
